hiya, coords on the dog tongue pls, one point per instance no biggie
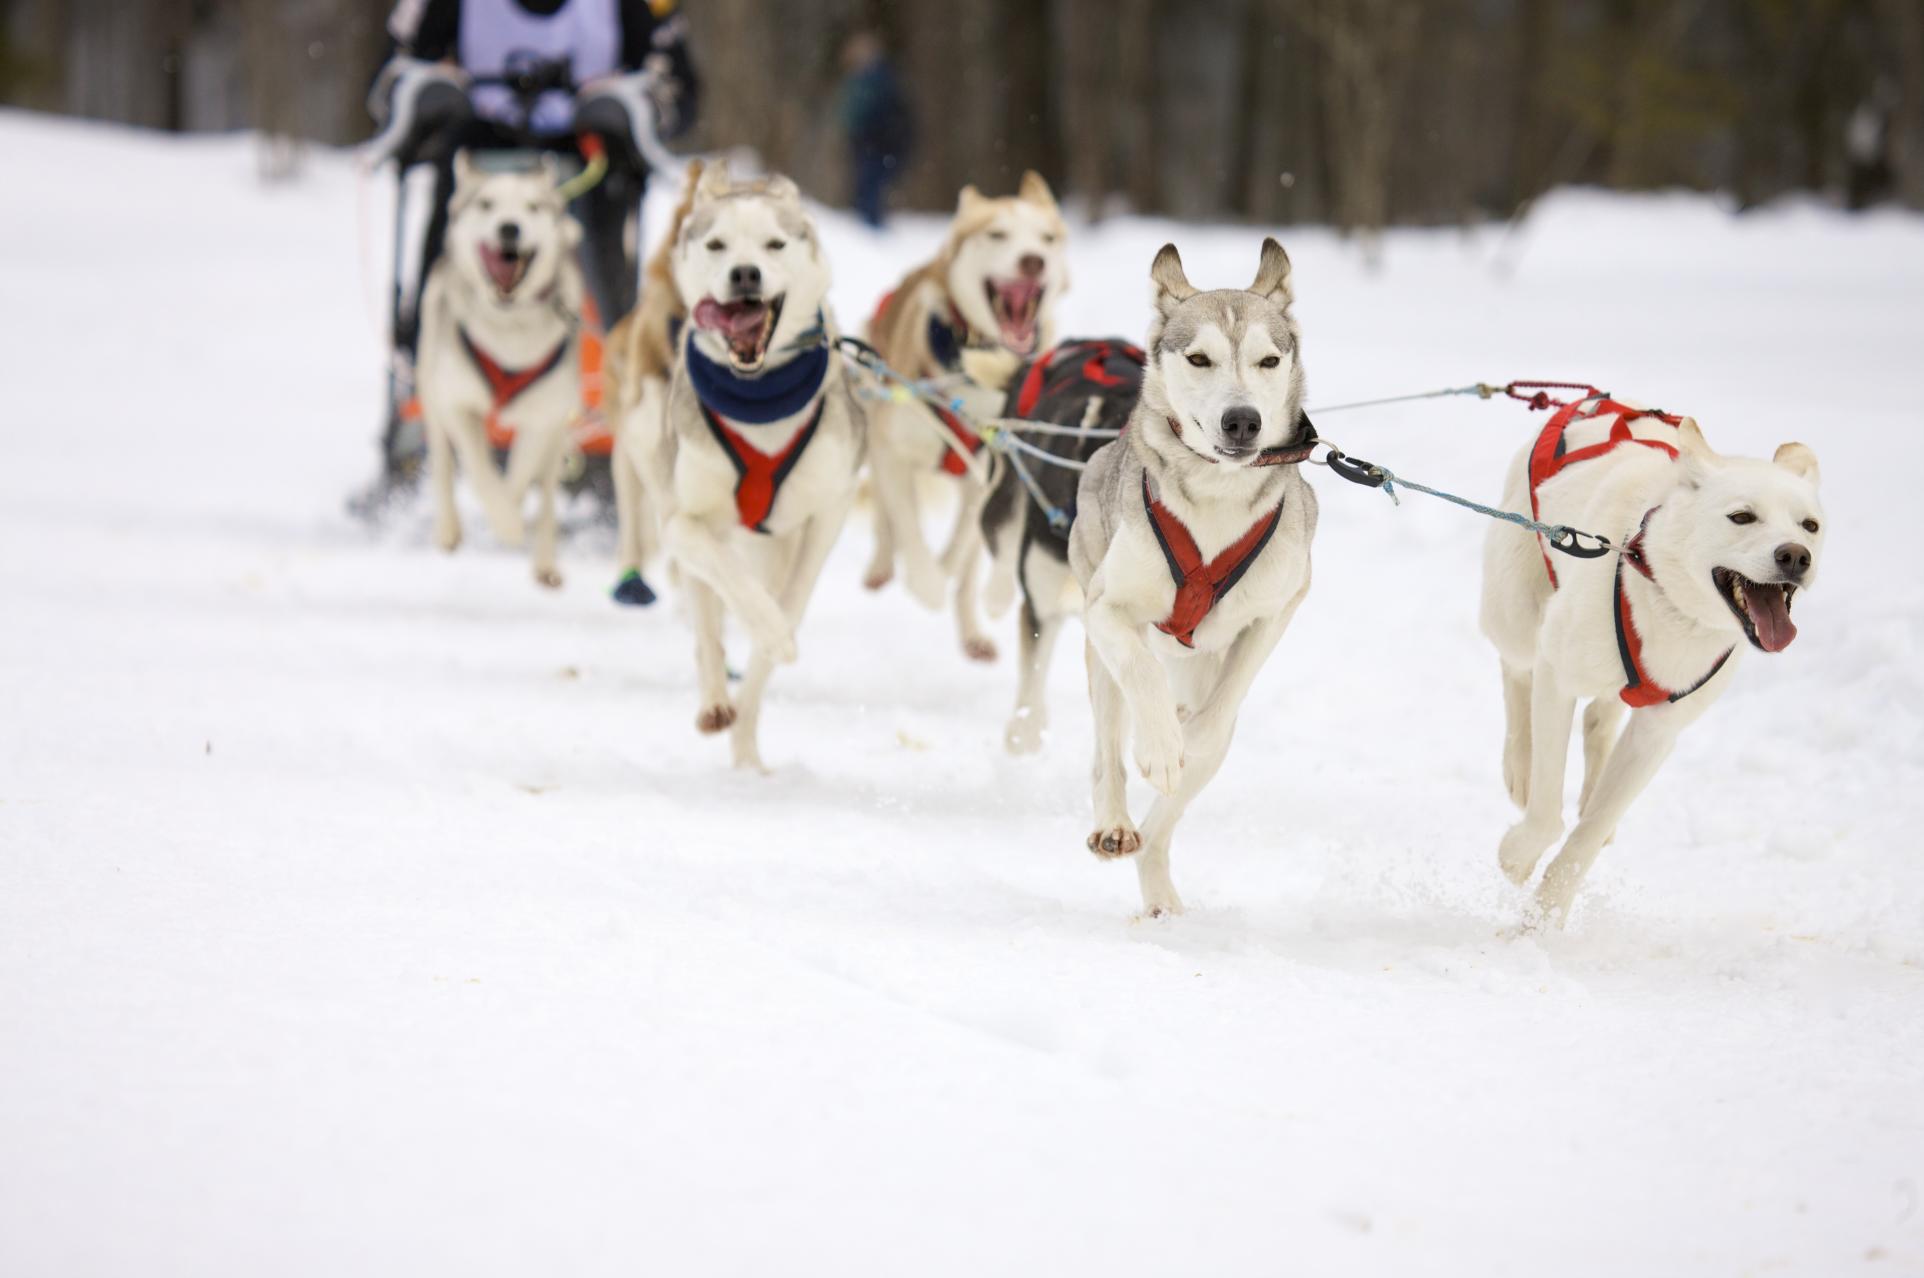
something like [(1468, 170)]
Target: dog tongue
[(1771, 617), (1018, 293), (739, 321), (503, 270)]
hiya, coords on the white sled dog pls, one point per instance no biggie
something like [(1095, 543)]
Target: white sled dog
[(763, 439), (1713, 549), (640, 361), (1191, 546), (499, 322), (988, 297)]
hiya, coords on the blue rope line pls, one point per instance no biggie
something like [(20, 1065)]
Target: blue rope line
[(1560, 536)]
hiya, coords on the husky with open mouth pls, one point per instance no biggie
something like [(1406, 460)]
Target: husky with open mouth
[(1191, 548), (764, 438), (499, 321), (1712, 552), (984, 304)]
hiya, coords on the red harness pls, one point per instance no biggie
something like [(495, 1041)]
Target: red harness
[(505, 385), (1199, 585), (1547, 459), (759, 475)]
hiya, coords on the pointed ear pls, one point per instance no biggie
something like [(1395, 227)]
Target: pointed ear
[(1798, 459), (550, 169), (969, 199), (1036, 190), (570, 232), (1691, 444), (714, 181), (1169, 287), (466, 172), (781, 187), (1272, 274)]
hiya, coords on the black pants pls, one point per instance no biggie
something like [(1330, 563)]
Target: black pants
[(605, 211)]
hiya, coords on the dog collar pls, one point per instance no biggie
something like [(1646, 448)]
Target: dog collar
[(1639, 689), (767, 397), (1200, 586), (1290, 455)]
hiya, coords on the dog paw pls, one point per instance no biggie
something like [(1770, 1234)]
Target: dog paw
[(547, 578), (1522, 847), (928, 585), (1159, 753), (1115, 841), (632, 591), (715, 718), (748, 758), (978, 648), (1024, 734), (878, 576), (1167, 907), (447, 537)]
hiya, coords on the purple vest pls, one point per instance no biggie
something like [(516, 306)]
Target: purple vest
[(496, 34)]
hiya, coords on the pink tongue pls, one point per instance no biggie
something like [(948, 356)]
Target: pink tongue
[(1018, 293), (500, 269), (1770, 618), (740, 321)]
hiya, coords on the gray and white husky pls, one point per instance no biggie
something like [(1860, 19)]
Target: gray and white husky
[(499, 322), (1714, 550), (1191, 547)]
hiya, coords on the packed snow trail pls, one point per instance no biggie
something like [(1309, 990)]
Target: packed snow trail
[(368, 910)]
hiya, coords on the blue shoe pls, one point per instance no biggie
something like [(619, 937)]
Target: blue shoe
[(632, 591)]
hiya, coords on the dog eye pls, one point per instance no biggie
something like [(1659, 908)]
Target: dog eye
[(487, 206), (715, 246), (1048, 237), (776, 246), (998, 235), (1269, 361), (1199, 360), (1809, 525), (1742, 517)]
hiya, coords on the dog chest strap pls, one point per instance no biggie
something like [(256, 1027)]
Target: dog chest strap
[(759, 475), (1199, 585), (1639, 689), (504, 384)]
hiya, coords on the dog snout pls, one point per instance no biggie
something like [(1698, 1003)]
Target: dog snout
[(1241, 425), (745, 280), (510, 233), (1793, 560), (1031, 265)]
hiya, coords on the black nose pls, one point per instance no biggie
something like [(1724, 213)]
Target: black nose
[(1793, 560), (510, 232), (745, 279), (1241, 425), (1031, 265)]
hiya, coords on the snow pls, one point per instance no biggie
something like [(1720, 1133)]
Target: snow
[(365, 910)]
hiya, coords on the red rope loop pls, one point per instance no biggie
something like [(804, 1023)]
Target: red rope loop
[(1541, 399)]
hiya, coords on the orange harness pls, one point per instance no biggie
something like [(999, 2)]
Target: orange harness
[(759, 475), (1199, 585)]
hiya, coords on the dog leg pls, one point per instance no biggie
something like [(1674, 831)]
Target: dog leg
[(711, 663), (1154, 727), (1005, 557), (628, 512), (546, 480), (1646, 743), (895, 498), (1115, 834), (447, 519), (1035, 649), (503, 510), (881, 563), (1551, 710), (976, 645), (704, 555), (818, 537), (1516, 733), (1602, 719)]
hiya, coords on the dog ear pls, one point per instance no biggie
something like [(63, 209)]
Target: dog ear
[(1798, 459), (714, 181), (783, 188), (969, 199), (1169, 286), (1272, 274), (570, 232), (549, 168), (1691, 444), (1035, 190), (466, 171)]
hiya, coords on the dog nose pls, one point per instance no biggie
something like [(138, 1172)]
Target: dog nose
[(745, 279), (510, 232), (1793, 560), (1241, 425), (1031, 264)]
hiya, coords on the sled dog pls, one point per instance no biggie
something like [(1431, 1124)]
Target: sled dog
[(1082, 385), (499, 321), (1712, 551), (763, 438), (1191, 547), (988, 298), (641, 354)]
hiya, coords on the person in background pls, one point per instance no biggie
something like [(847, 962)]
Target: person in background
[(531, 74), (875, 116)]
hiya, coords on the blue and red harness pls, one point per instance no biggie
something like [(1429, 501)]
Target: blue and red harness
[(776, 395)]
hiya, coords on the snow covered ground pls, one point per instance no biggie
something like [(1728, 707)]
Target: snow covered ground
[(368, 911)]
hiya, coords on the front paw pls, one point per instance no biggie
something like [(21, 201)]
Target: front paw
[(1115, 841), (547, 578), (1522, 847), (879, 574), (715, 718), (1158, 751), (447, 534), (978, 648)]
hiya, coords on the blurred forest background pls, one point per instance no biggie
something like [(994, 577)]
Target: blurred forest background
[(1360, 113)]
